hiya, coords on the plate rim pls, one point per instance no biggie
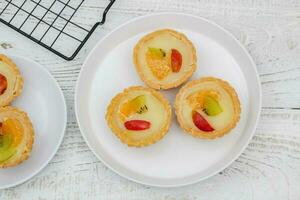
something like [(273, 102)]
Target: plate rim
[(61, 94), (186, 183)]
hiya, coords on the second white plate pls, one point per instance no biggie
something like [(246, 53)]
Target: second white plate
[(178, 159), (44, 102)]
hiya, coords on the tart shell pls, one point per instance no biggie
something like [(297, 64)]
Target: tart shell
[(216, 133), (25, 153), (156, 84), (17, 90), (119, 133)]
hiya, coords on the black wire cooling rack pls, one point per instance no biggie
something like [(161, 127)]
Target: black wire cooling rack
[(59, 34)]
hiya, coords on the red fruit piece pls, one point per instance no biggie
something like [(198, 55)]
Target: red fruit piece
[(137, 125), (3, 84), (201, 122), (176, 60)]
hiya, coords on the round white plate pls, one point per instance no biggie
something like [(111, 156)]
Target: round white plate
[(178, 159), (44, 102)]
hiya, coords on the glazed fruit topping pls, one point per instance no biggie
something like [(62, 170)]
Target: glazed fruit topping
[(136, 105), (6, 149), (3, 84), (211, 106), (157, 53), (10, 137), (201, 123), (176, 60), (162, 63), (13, 127), (137, 125), (196, 100), (207, 101), (158, 63)]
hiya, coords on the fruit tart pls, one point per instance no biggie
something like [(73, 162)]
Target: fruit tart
[(207, 108), (11, 81), (165, 59), (16, 136), (139, 116)]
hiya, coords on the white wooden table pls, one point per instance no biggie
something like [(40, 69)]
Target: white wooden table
[(270, 166)]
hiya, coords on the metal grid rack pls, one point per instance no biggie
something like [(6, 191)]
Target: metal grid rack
[(29, 19)]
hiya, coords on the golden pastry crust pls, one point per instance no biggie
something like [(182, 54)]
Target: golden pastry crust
[(156, 84), (216, 133), (23, 154), (10, 94), (119, 133)]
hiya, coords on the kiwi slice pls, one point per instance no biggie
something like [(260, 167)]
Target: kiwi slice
[(212, 106), (157, 52), (136, 105), (139, 103), (5, 155), (6, 150), (5, 141)]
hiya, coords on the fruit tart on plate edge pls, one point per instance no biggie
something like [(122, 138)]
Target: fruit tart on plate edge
[(16, 136), (11, 81)]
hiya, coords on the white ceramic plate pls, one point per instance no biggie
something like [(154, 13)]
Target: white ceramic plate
[(44, 102), (178, 159)]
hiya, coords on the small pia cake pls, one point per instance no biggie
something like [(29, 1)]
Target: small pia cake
[(165, 59), (139, 116), (207, 108), (16, 136), (11, 81)]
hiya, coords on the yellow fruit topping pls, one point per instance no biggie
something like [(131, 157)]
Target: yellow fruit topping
[(136, 105), (159, 62), (13, 127)]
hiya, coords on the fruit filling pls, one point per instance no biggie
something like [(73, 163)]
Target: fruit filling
[(3, 84), (201, 123), (158, 63), (162, 63), (11, 134), (135, 106), (176, 60), (196, 100), (156, 53), (212, 106), (208, 102), (137, 125), (14, 127)]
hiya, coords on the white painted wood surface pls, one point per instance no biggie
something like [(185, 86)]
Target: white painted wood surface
[(269, 169)]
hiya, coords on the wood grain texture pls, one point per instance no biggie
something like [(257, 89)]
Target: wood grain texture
[(270, 166)]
